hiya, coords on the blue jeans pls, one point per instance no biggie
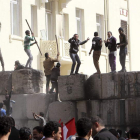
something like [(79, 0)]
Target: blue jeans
[(75, 58)]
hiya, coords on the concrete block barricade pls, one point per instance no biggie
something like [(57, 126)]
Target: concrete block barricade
[(72, 88), (88, 108), (62, 110), (109, 86), (113, 86), (93, 87), (132, 111), (5, 81), (27, 81), (111, 111), (26, 104)]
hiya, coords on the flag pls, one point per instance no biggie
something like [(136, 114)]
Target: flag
[(69, 129)]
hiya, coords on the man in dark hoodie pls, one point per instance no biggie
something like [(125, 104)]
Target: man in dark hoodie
[(123, 48), (111, 44), (74, 48), (54, 79)]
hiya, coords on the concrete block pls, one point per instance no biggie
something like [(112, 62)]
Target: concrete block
[(110, 86), (26, 104), (132, 110), (137, 84), (111, 111), (88, 108), (130, 84), (93, 87), (5, 81), (72, 87), (64, 111), (27, 81)]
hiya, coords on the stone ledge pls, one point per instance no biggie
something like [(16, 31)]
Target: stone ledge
[(72, 88)]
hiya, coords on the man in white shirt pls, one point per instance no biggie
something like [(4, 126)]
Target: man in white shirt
[(134, 133), (40, 118)]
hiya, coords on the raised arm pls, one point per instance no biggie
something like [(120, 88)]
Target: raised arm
[(81, 43), (35, 116), (30, 38), (55, 60)]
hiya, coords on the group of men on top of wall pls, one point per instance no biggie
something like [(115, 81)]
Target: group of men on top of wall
[(97, 46), (52, 72)]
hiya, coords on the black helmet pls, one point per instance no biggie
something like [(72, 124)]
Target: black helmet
[(58, 64)]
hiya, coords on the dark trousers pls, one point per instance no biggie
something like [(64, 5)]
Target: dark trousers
[(48, 79), (55, 86), (96, 57), (112, 62), (123, 58), (75, 58)]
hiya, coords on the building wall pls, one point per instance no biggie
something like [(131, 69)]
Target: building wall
[(134, 22), (12, 47)]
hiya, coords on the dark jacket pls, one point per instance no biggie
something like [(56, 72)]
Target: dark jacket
[(104, 134), (112, 44), (97, 41), (14, 134), (74, 44), (55, 73), (79, 138), (123, 42), (7, 104)]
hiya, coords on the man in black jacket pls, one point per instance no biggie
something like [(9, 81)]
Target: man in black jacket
[(111, 44), (74, 45), (96, 46), (54, 79), (84, 129), (99, 132), (14, 132), (123, 48)]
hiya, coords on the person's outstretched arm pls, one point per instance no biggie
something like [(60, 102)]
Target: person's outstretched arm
[(83, 42), (35, 116)]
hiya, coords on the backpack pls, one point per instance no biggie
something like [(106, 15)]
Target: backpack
[(96, 43), (55, 73)]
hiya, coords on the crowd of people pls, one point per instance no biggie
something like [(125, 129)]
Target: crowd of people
[(86, 129)]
